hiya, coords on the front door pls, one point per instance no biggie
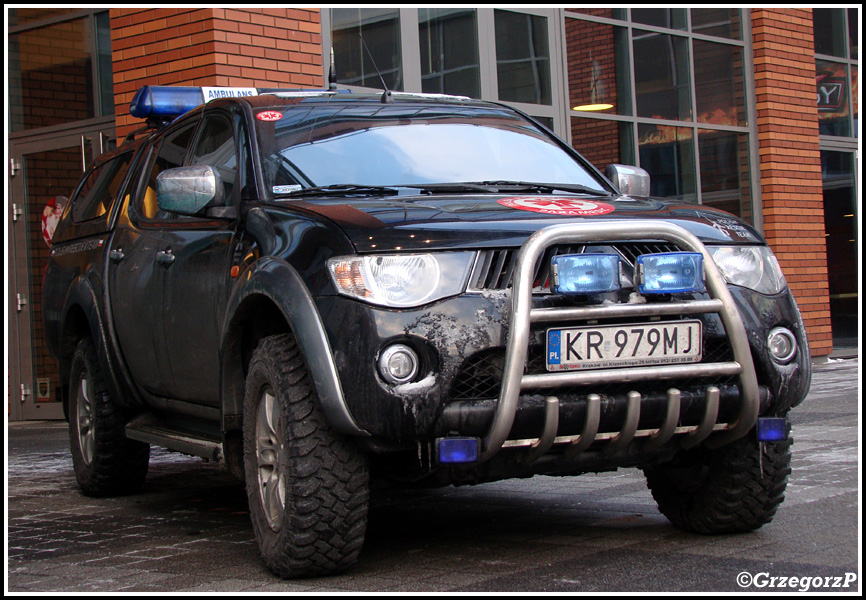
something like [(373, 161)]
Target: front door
[(44, 172)]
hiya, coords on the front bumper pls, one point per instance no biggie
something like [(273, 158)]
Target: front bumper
[(512, 402)]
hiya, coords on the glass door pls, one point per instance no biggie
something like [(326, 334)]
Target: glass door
[(840, 229), (44, 173)]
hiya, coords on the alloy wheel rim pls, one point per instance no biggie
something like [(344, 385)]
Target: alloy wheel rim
[(86, 431), (270, 469)]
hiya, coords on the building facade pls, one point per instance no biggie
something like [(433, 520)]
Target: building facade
[(754, 111)]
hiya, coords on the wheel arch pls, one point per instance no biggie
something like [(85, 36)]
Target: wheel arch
[(274, 300), (81, 318)]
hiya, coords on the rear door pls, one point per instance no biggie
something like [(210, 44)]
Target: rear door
[(137, 265)]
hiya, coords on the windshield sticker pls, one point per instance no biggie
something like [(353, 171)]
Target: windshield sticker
[(558, 206), (286, 189), (269, 115)]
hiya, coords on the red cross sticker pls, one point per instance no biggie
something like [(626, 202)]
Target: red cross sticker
[(558, 206)]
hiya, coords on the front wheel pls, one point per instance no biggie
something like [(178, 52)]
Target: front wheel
[(733, 489), (106, 462), (308, 486)]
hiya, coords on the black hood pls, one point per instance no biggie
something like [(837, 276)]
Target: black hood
[(381, 224)]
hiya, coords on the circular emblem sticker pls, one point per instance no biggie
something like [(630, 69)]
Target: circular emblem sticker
[(269, 115), (558, 206)]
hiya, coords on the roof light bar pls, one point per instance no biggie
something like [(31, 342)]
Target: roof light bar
[(173, 101)]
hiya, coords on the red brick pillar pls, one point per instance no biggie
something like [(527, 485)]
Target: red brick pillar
[(790, 161), (255, 47)]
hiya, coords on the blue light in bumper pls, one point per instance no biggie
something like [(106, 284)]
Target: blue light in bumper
[(670, 272), (585, 273), (454, 450), (772, 429)]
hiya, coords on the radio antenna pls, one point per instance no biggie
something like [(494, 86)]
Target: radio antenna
[(386, 95)]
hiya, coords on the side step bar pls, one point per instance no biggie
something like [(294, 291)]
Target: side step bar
[(148, 428)]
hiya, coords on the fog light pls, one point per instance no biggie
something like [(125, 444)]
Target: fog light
[(772, 429), (457, 450), (398, 364), (585, 273), (670, 272), (782, 344)]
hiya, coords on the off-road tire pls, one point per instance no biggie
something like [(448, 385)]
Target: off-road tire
[(733, 489), (105, 461), (308, 486)]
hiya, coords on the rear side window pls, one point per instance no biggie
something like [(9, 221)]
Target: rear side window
[(99, 191)]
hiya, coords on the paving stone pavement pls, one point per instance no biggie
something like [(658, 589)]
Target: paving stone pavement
[(189, 531)]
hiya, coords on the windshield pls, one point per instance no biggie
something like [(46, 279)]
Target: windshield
[(410, 145)]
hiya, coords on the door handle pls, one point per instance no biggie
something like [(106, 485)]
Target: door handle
[(116, 255), (165, 257)]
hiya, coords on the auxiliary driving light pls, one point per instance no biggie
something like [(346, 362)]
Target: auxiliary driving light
[(585, 273), (454, 450), (772, 429), (670, 272), (782, 344), (398, 364)]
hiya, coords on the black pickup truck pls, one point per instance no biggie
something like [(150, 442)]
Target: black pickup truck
[(318, 289)]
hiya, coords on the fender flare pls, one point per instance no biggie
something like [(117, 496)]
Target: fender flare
[(281, 284), (82, 295)]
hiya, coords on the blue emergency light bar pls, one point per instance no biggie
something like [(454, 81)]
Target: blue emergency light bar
[(173, 101)]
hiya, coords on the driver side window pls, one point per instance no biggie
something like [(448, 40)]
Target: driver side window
[(170, 152), (216, 148)]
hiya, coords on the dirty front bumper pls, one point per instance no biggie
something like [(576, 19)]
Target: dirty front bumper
[(477, 380)]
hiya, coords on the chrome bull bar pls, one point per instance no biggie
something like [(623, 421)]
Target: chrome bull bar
[(522, 315)]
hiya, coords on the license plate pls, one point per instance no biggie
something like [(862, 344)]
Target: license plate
[(623, 345)]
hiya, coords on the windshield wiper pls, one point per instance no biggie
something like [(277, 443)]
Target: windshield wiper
[(340, 189), (495, 187)]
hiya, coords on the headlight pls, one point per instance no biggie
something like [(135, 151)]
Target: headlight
[(401, 280), (754, 267)]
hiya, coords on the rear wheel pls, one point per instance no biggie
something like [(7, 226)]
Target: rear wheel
[(307, 484), (106, 462), (733, 489)]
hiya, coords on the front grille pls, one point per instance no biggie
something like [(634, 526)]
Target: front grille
[(494, 269)]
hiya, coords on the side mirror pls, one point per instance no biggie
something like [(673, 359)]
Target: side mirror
[(187, 190), (629, 180)]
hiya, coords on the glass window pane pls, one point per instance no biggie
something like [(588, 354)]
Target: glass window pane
[(840, 228), (603, 143), (855, 76), (609, 13), (661, 76), (829, 31), (853, 33), (380, 29), (99, 191), (22, 16), (449, 51), (719, 84), (721, 22), (48, 87), (522, 57), (833, 88), (672, 18), (103, 64), (598, 73), (725, 172), (667, 153)]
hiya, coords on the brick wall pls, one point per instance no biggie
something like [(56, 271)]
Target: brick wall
[(790, 163), (270, 47)]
